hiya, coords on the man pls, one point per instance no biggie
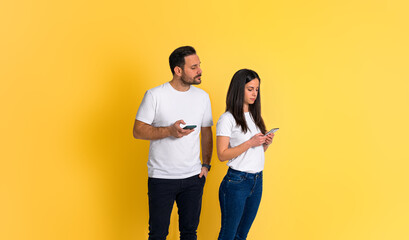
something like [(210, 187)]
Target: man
[(174, 167)]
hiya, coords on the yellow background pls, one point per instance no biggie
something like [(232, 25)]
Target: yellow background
[(334, 78)]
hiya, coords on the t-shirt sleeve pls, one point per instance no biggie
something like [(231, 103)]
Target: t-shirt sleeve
[(207, 117), (224, 126), (146, 111)]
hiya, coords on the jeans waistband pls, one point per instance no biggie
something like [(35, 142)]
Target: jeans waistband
[(246, 174)]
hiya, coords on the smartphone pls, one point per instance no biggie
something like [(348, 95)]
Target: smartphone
[(189, 127), (272, 131)]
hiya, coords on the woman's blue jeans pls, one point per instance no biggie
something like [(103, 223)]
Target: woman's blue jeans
[(239, 196)]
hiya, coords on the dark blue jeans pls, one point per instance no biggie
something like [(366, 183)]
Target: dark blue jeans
[(239, 196), (162, 195)]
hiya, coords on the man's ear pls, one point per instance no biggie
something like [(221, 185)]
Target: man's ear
[(178, 71)]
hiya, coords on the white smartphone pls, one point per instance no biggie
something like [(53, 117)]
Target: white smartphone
[(272, 131)]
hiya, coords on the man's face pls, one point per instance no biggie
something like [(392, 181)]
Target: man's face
[(192, 73)]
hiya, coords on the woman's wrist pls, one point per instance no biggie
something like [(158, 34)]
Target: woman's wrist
[(248, 144)]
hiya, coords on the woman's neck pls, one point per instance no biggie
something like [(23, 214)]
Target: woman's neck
[(245, 107)]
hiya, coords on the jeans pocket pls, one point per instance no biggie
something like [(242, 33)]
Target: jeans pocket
[(203, 180), (234, 178)]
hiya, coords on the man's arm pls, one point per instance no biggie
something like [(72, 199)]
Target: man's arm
[(207, 148), (145, 131)]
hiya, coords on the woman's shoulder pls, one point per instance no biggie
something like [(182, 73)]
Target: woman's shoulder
[(226, 116), (225, 124)]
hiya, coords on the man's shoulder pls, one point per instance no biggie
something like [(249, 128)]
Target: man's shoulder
[(158, 89)]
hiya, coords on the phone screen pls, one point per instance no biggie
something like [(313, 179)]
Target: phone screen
[(272, 131)]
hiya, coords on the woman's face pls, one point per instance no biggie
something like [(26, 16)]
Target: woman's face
[(251, 91)]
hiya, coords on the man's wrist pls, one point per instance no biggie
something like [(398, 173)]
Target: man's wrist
[(207, 166), (168, 131)]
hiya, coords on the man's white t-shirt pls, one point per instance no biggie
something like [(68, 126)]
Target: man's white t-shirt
[(252, 160), (162, 106)]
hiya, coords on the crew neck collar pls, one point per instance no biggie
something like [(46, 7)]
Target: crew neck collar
[(175, 90)]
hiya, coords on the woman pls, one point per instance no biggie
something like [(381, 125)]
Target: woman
[(241, 141)]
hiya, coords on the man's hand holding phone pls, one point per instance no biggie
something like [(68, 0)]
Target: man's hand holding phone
[(177, 131)]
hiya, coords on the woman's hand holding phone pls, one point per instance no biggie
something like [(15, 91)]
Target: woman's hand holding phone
[(257, 140), (270, 136), (269, 139)]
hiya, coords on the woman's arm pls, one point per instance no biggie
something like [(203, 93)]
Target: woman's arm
[(225, 153)]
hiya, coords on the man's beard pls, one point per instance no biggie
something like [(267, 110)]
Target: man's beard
[(190, 83)]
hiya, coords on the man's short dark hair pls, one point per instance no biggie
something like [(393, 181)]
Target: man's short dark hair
[(177, 57)]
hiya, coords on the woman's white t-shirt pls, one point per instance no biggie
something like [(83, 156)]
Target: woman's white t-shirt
[(252, 160)]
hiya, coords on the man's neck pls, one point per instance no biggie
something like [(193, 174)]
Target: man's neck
[(177, 84)]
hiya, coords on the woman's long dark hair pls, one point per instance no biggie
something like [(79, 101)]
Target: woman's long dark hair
[(235, 99)]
